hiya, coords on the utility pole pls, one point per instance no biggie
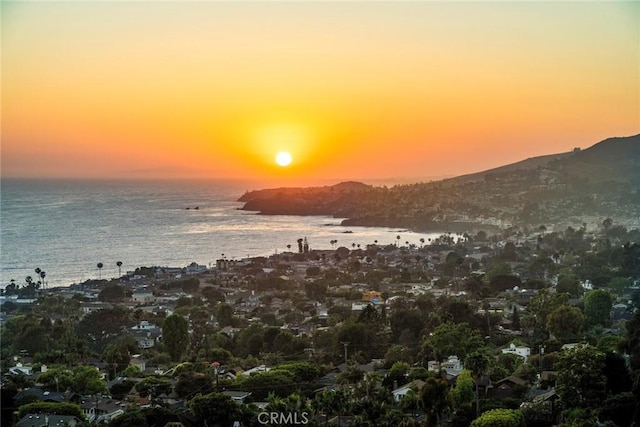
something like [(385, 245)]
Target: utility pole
[(309, 352), (345, 344), (216, 366)]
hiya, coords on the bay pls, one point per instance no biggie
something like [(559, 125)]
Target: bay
[(67, 227)]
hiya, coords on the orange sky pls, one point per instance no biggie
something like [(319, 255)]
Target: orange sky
[(353, 90)]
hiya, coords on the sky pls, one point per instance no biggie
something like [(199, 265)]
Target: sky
[(351, 89)]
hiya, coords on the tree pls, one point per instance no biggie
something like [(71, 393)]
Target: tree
[(500, 418), (361, 337), (597, 307), (302, 372), (215, 409), (51, 408), (452, 339), (112, 293), (544, 303), (42, 274), (410, 402), (478, 364), (569, 283), (153, 386), (581, 382), (618, 409), (279, 382), (565, 322), (88, 381), (370, 316), (119, 264), (462, 395), (192, 383), (213, 295), (56, 379), (117, 354), (502, 269), (100, 265), (224, 315), (144, 417), (175, 335), (619, 378), (434, 398), (398, 375), (101, 327)]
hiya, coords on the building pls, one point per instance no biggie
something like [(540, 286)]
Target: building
[(521, 351)]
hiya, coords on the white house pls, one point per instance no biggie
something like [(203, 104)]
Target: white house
[(451, 363), (136, 360), (521, 351), (101, 410), (400, 392), (257, 369), (142, 297)]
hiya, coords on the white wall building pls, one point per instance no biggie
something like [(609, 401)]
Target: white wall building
[(521, 351)]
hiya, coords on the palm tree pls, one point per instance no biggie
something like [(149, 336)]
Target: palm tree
[(410, 402), (119, 264), (434, 398), (42, 276), (398, 237), (478, 364), (100, 265), (37, 270), (324, 403), (289, 248), (421, 241)]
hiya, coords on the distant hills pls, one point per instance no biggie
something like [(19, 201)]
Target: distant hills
[(574, 188), (614, 158)]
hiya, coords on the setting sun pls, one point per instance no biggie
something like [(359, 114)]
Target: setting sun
[(283, 158)]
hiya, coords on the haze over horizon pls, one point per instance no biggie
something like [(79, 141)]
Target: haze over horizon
[(352, 90)]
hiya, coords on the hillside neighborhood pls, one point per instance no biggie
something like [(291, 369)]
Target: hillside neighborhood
[(536, 327)]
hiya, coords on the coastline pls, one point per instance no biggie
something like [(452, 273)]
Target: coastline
[(419, 225)]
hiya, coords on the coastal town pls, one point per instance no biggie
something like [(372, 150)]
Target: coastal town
[(531, 327)]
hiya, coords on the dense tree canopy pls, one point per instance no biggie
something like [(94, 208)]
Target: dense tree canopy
[(175, 335), (581, 381)]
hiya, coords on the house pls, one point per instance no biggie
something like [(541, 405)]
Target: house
[(146, 334), (522, 351), (20, 369), (144, 325), (238, 396), (452, 365), (257, 369), (507, 387), (544, 404), (37, 394), (141, 297), (137, 361), (370, 296), (101, 410), (39, 420), (400, 392), (90, 307)]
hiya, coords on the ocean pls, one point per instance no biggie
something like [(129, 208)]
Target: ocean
[(67, 227)]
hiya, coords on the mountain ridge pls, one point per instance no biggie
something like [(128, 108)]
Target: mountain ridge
[(563, 188)]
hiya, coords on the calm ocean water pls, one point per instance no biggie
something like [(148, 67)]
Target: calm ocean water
[(67, 227)]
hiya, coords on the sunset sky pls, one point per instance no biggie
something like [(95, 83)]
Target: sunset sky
[(352, 90)]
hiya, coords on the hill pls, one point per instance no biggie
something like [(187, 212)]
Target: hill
[(566, 189)]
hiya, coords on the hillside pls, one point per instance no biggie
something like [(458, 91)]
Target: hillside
[(582, 186)]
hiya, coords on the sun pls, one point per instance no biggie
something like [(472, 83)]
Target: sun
[(283, 158)]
